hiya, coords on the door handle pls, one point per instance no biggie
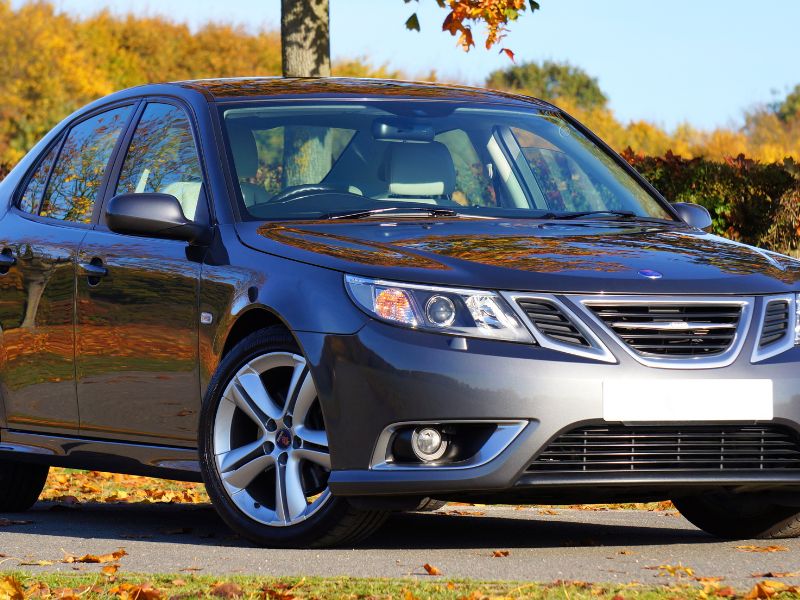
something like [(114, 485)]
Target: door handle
[(95, 270)]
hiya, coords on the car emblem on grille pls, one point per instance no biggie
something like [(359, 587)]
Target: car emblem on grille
[(650, 274)]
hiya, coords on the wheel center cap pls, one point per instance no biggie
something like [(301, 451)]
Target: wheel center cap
[(283, 439)]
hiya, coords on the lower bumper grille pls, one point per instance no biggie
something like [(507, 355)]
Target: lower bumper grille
[(622, 449)]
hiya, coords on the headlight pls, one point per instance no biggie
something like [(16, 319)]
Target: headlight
[(469, 313), (797, 320)]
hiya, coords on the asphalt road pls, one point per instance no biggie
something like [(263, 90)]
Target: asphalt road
[(543, 544)]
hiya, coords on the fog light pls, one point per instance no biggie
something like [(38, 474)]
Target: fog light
[(428, 444), (440, 311)]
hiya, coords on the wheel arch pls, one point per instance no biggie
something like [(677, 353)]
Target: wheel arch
[(251, 320)]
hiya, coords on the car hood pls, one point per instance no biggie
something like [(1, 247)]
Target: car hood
[(526, 255)]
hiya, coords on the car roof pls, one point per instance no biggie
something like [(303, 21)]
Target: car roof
[(250, 88)]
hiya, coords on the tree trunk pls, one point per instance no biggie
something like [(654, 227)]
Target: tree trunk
[(305, 38)]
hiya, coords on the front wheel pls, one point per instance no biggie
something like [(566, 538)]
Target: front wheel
[(740, 516), (265, 454), (20, 485)]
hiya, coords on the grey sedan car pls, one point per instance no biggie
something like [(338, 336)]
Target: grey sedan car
[(332, 299)]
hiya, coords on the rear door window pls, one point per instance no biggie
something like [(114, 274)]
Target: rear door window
[(81, 166)]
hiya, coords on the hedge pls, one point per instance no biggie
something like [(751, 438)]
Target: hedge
[(749, 201)]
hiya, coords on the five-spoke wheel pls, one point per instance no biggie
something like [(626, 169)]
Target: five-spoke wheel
[(264, 449)]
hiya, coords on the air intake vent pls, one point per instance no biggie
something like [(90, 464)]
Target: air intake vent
[(672, 330), (622, 449), (776, 323), (552, 323)]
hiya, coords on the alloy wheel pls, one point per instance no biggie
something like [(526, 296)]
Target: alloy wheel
[(269, 441)]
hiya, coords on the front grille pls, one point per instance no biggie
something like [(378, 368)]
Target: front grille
[(622, 449), (552, 322), (776, 323), (672, 330)]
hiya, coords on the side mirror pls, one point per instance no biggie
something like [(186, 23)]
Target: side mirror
[(153, 215), (693, 214)]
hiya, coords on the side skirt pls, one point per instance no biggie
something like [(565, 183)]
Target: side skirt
[(164, 462)]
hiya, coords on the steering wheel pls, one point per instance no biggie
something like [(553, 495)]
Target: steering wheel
[(295, 192)]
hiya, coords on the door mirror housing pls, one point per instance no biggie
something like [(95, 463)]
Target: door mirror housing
[(693, 214), (152, 215)]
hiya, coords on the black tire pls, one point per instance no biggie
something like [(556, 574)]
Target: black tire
[(430, 505), (740, 516), (337, 522), (20, 485)]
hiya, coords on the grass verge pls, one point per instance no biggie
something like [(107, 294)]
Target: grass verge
[(22, 586)]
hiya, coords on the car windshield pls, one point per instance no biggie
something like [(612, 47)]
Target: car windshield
[(315, 160)]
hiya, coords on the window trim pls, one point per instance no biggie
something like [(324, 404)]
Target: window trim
[(62, 136), (122, 152)]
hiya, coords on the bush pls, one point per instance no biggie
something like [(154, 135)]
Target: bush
[(749, 201)]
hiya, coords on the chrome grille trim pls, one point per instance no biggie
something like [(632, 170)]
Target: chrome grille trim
[(730, 346), (761, 351), (596, 349)]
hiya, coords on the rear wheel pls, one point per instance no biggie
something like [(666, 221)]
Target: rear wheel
[(265, 452), (740, 516), (20, 485)]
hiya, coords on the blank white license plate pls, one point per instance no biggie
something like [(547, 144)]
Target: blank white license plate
[(688, 400)]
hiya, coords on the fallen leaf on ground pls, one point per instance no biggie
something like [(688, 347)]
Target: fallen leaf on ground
[(548, 511), (765, 589), (500, 553), (36, 563), (130, 591), (226, 590), (762, 548), (431, 569), (464, 513), (95, 558), (673, 570), (775, 574), (11, 589), (110, 570)]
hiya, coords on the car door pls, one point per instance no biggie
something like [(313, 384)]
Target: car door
[(39, 242), (137, 298)]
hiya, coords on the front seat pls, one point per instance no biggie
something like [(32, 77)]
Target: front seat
[(245, 157), (422, 172)]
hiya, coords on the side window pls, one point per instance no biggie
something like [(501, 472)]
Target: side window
[(162, 158), (564, 184), (33, 192), (81, 165)]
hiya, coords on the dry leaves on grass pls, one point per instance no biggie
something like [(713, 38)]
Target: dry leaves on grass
[(95, 558), (762, 548), (130, 591), (226, 590), (11, 589), (431, 569), (74, 487), (768, 589)]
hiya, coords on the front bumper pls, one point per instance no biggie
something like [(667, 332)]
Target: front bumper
[(385, 375)]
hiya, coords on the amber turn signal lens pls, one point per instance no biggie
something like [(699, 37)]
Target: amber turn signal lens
[(395, 305)]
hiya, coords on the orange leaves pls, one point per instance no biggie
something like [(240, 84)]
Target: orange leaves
[(500, 553), (431, 570), (11, 589), (762, 549), (464, 14), (129, 591), (94, 486), (95, 558), (767, 589), (226, 590)]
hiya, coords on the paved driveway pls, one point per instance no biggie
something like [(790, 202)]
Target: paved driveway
[(543, 545)]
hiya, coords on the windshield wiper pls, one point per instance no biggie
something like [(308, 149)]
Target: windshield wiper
[(626, 214), (395, 210)]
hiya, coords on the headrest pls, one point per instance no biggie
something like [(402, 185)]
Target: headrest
[(245, 152), (420, 169)]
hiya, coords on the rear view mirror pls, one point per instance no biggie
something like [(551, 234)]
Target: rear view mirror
[(693, 214), (398, 129), (153, 215)]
